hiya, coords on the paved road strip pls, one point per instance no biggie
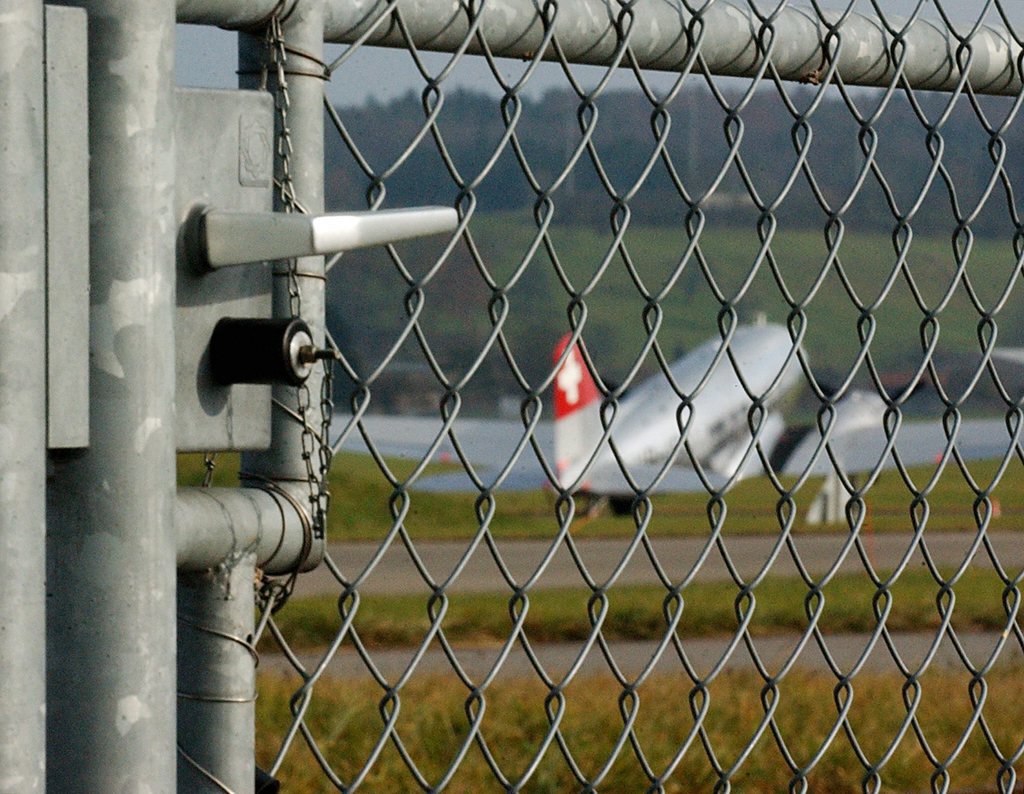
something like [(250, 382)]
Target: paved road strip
[(632, 657), (395, 572)]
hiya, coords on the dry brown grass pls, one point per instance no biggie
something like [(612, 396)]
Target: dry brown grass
[(432, 724)]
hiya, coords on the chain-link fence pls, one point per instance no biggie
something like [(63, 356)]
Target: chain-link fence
[(787, 557)]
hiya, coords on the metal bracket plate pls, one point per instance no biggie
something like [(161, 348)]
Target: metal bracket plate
[(225, 161)]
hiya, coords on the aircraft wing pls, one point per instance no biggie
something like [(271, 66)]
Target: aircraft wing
[(487, 444), (862, 449), (857, 442), (609, 480)]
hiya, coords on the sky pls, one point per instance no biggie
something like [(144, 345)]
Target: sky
[(206, 57)]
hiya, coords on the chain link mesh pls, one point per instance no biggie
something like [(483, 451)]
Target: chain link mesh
[(642, 212)]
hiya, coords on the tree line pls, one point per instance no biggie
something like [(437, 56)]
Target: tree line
[(736, 164), (914, 158)]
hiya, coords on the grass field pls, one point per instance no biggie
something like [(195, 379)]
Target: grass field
[(347, 718), (847, 605), (361, 498)]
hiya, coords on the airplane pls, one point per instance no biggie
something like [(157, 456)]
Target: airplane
[(714, 418)]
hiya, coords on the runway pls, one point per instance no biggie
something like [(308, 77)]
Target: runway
[(532, 563), (624, 561), (631, 658)]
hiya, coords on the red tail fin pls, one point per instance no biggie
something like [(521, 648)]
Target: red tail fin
[(574, 388), (577, 418)]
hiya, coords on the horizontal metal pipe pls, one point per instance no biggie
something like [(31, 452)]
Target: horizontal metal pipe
[(231, 14), (586, 31), (217, 526), (658, 37)]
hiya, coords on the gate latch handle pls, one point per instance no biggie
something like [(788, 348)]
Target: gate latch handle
[(216, 238)]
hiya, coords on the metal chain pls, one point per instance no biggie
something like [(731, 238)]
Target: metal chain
[(315, 441), (313, 446)]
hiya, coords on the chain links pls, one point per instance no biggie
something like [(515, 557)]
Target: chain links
[(316, 451)]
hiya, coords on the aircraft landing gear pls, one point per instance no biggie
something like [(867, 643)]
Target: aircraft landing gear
[(621, 505), (589, 505)]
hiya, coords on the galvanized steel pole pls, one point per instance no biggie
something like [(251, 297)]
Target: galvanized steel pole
[(303, 32), (22, 399), (217, 526), (223, 534), (111, 542), (216, 678)]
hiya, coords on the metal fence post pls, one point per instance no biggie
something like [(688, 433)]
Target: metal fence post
[(303, 31), (22, 399), (298, 286), (111, 543), (217, 674), (217, 679)]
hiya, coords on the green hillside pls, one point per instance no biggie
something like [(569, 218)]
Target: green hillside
[(685, 177), (659, 278)]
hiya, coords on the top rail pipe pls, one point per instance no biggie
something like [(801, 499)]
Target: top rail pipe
[(230, 14), (662, 34)]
